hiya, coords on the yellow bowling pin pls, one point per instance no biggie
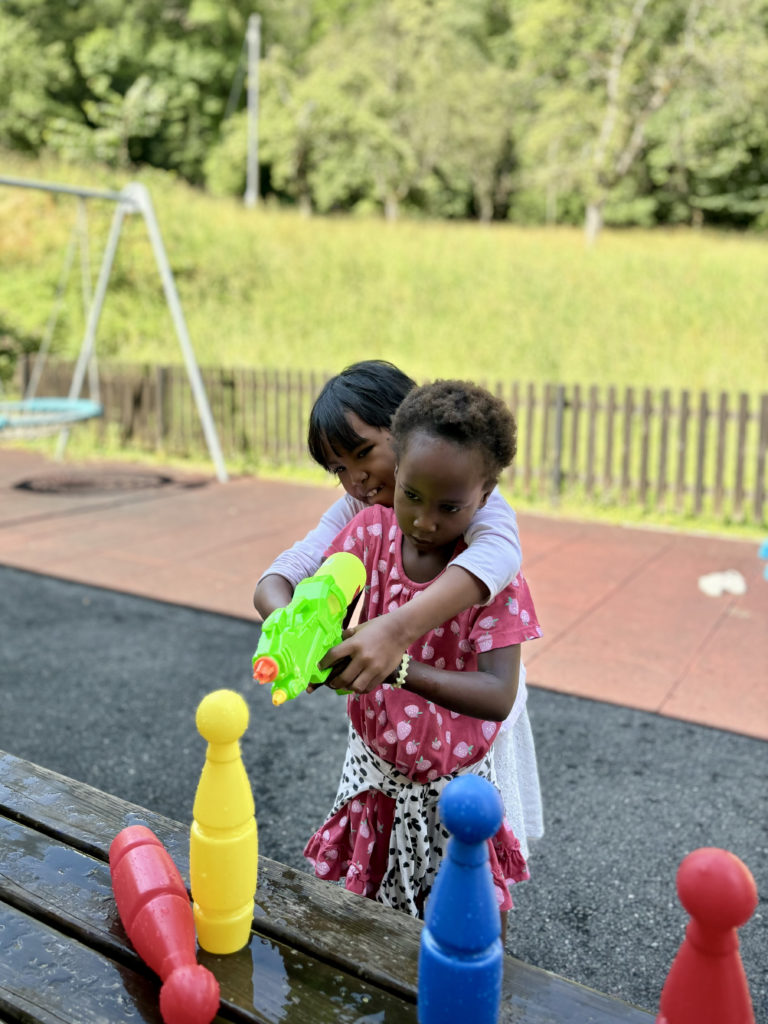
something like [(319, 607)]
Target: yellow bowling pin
[(223, 843)]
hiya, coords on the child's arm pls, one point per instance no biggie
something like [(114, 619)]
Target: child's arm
[(474, 577), (487, 693), (376, 647), (275, 587), (493, 555), (272, 591)]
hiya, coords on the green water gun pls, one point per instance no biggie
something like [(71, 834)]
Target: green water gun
[(295, 638)]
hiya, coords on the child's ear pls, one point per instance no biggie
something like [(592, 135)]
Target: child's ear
[(486, 496)]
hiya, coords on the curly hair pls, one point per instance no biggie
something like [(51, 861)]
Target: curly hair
[(462, 412), (372, 389)]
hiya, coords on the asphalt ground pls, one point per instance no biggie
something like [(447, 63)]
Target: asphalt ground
[(103, 687)]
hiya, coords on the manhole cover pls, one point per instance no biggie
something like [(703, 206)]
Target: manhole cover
[(93, 483)]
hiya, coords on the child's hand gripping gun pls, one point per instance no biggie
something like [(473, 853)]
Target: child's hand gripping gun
[(295, 638)]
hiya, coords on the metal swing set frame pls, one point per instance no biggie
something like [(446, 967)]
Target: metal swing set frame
[(50, 415)]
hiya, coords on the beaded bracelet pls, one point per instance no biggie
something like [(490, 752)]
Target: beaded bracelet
[(402, 672)]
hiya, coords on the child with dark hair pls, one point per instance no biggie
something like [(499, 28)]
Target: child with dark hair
[(366, 394), (439, 714), (349, 435)]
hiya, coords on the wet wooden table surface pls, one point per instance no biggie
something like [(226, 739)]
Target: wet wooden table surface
[(317, 953)]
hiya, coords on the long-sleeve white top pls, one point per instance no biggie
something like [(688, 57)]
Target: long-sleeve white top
[(493, 553)]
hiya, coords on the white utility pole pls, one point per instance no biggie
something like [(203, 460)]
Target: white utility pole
[(253, 37)]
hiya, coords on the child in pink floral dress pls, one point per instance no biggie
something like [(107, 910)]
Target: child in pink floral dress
[(440, 713)]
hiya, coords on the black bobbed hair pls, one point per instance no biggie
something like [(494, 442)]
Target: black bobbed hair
[(372, 389)]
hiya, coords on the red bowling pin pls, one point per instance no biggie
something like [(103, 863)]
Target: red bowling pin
[(157, 916), (706, 983)]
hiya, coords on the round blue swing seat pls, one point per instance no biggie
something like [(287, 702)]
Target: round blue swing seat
[(37, 417)]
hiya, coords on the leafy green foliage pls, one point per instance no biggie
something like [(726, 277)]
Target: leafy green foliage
[(13, 345), (611, 111)]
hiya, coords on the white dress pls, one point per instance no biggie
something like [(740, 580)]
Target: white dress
[(517, 773)]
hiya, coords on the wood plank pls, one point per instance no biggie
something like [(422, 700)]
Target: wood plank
[(681, 486), (353, 935), (241, 419), (161, 410), (300, 418), (254, 409), (576, 406), (762, 458), (71, 982), (661, 473), (179, 411), (71, 892), (514, 405), (645, 442), (530, 409), (264, 393), (723, 417), (626, 443), (188, 417), (741, 443), (273, 394), (125, 409), (610, 412), (224, 388), (546, 403), (287, 431), (144, 401), (699, 485), (557, 475), (594, 406)]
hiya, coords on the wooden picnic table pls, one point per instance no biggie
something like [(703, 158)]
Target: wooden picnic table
[(317, 953)]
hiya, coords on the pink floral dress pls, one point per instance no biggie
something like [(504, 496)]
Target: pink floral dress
[(403, 748)]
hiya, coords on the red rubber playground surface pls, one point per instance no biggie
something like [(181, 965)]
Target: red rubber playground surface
[(625, 619)]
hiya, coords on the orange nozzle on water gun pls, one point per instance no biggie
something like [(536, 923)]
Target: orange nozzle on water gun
[(265, 669)]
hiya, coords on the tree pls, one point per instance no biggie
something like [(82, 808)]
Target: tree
[(708, 151), (599, 73), (398, 103), (31, 75), (624, 111), (144, 82), (287, 128), (476, 157)]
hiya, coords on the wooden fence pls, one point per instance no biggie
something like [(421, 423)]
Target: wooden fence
[(694, 454)]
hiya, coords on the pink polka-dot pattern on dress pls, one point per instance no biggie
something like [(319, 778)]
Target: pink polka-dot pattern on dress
[(420, 738)]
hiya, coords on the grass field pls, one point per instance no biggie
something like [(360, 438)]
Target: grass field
[(271, 289), (267, 287)]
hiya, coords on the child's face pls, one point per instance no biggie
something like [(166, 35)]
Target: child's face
[(439, 487), (368, 471)]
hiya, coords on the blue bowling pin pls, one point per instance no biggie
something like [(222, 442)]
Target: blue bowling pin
[(461, 955)]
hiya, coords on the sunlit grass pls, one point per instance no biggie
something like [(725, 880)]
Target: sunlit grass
[(267, 287)]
